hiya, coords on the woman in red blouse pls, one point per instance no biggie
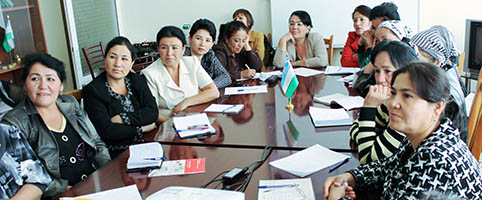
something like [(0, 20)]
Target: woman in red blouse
[(361, 23)]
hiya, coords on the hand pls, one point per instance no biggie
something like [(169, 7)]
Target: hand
[(377, 94), (161, 118), (369, 37), (248, 73), (287, 37), (69, 187), (338, 181), (148, 127), (181, 106), (246, 45), (117, 119), (361, 41)]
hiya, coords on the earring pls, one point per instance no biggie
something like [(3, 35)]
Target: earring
[(435, 120)]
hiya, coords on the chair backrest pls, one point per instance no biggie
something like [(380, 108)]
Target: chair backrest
[(142, 62), (460, 67), (329, 42), (94, 55), (475, 122), (76, 93)]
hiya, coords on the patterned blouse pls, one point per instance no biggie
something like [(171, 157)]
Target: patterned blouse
[(214, 68), (442, 162)]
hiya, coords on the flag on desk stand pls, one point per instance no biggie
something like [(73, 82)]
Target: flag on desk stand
[(289, 82), (8, 43)]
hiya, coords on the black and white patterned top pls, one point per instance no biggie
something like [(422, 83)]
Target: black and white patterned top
[(442, 162), (214, 68)]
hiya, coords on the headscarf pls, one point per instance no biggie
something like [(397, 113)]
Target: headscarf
[(398, 28), (439, 43)]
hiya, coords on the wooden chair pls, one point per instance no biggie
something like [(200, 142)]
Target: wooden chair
[(76, 93), (94, 56), (142, 62), (460, 67), (329, 42), (475, 122)]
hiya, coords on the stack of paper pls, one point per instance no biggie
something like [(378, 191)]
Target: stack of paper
[(347, 102), (323, 117), (337, 70), (246, 90), (124, 193), (179, 167), (309, 161), (191, 193), (193, 125), (145, 156), (286, 189), (306, 72), (225, 108)]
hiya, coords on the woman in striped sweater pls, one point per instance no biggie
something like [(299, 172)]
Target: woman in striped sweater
[(371, 134)]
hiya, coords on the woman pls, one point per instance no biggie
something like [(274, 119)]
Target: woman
[(436, 45), (235, 53), (118, 102), (256, 39), (383, 12), (371, 133), (177, 82), (387, 30), (58, 130), (302, 47), (361, 23), (201, 38), (432, 158)]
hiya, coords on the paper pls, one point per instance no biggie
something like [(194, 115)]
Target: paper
[(322, 117), (286, 189), (179, 167), (469, 100), (347, 79), (306, 72), (263, 76), (145, 155), (337, 70), (183, 125), (191, 193), (123, 193), (347, 102), (256, 76), (308, 161), (246, 90), (225, 108)]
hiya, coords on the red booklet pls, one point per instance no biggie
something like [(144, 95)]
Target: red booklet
[(180, 167)]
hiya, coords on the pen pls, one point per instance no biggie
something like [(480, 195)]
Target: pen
[(191, 129), (246, 65), (161, 158), (228, 108), (246, 89), (337, 165), (277, 186)]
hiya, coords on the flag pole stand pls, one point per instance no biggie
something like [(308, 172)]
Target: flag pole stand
[(289, 106)]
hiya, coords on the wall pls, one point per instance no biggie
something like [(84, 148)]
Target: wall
[(141, 21), (53, 23)]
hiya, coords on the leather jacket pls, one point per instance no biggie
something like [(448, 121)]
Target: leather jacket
[(29, 121)]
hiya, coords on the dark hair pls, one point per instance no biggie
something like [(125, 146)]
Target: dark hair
[(362, 9), (429, 81), (304, 17), (229, 29), (249, 17), (45, 59), (203, 24), (399, 52), (171, 31), (119, 40), (387, 11)]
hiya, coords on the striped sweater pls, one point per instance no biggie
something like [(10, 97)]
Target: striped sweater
[(374, 139)]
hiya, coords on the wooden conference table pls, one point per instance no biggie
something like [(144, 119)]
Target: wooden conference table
[(239, 141), (263, 122)]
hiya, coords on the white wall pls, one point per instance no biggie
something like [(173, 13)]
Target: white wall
[(53, 24), (141, 21), (451, 14)]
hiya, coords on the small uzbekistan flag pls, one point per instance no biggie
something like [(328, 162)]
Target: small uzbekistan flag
[(8, 43), (289, 82)]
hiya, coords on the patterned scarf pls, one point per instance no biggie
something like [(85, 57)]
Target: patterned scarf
[(398, 28), (439, 43)]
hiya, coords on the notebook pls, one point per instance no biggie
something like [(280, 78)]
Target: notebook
[(347, 102), (193, 126), (145, 156), (323, 117), (337, 70), (225, 108)]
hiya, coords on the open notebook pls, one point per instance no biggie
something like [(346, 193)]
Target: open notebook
[(193, 126), (145, 156), (347, 102), (323, 117)]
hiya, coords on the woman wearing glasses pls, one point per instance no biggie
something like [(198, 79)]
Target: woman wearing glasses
[(304, 48)]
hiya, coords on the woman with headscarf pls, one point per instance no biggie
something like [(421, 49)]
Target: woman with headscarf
[(436, 45)]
